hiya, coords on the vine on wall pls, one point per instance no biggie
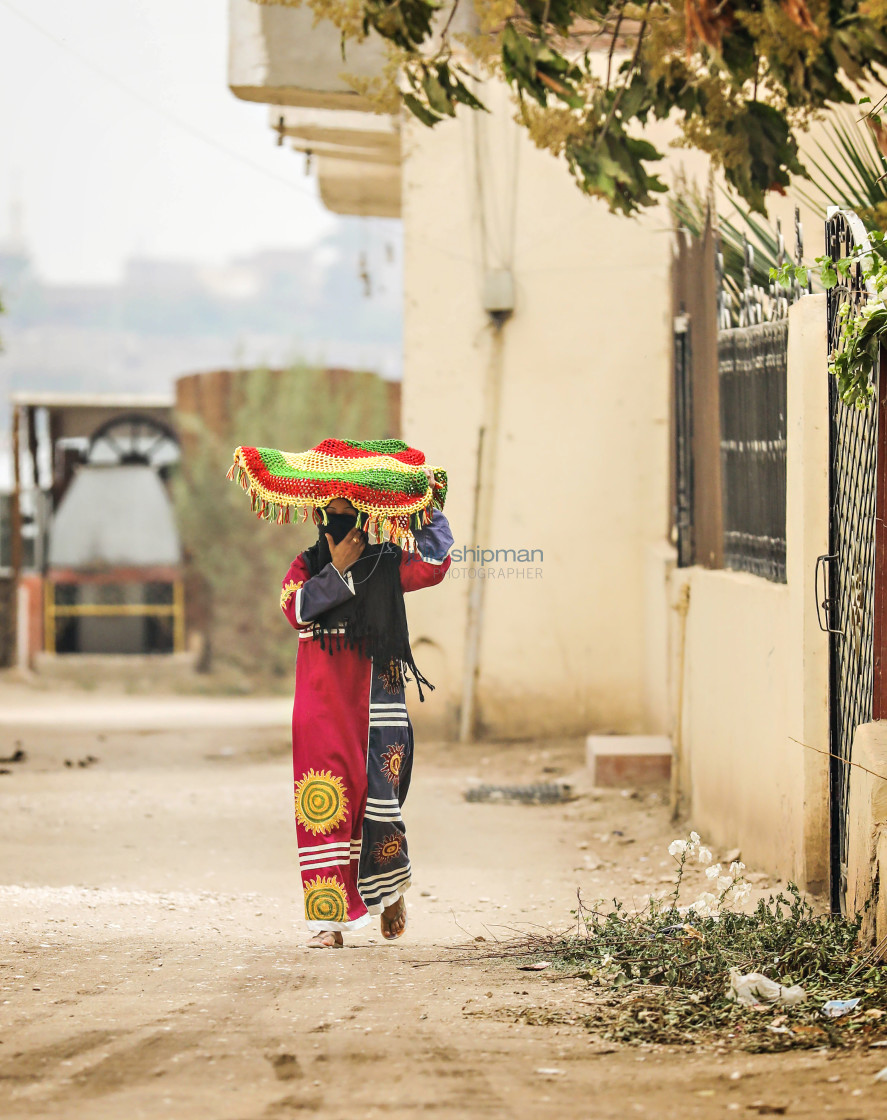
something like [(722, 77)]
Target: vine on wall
[(855, 357)]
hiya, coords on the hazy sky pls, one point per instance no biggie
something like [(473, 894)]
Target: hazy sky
[(102, 177)]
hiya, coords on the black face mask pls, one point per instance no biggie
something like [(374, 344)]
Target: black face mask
[(339, 525)]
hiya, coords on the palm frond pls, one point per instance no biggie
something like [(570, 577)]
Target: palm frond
[(690, 211), (850, 172)]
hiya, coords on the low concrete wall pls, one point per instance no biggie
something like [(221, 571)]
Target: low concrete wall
[(867, 847), (749, 677), (150, 670), (743, 777)]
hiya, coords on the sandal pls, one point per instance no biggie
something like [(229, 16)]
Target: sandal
[(388, 934), (326, 939)]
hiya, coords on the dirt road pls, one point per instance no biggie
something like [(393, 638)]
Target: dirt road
[(152, 961)]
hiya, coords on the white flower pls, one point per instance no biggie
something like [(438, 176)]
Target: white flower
[(741, 891), (736, 869), (725, 882), (694, 838), (705, 905), (704, 855), (677, 847), (713, 872)]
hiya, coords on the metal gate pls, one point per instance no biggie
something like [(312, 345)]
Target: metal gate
[(850, 565)]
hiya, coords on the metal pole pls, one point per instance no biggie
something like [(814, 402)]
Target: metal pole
[(49, 615), (473, 624), (178, 620), (16, 553), (498, 302), (488, 439)]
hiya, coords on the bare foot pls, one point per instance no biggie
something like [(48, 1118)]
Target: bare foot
[(394, 920), (329, 939)]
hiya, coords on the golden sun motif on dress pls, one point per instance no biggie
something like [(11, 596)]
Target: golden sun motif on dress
[(388, 849), (392, 763), (325, 900), (321, 804)]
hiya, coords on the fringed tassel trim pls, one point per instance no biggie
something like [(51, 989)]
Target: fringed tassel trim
[(383, 528)]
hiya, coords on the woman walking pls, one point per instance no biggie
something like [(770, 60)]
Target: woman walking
[(352, 736)]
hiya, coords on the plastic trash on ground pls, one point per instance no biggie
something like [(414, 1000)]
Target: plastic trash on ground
[(835, 1008), (754, 989)]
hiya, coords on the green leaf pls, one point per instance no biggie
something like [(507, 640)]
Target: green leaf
[(642, 149), (419, 111), (635, 97), (461, 93), (438, 98), (783, 275)]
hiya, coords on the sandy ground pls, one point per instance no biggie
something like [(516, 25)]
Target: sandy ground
[(153, 961)]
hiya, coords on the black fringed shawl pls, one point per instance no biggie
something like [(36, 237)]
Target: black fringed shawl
[(374, 618)]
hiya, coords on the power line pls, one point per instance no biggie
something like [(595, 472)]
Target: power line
[(155, 107)]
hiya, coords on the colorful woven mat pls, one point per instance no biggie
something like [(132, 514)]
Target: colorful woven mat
[(383, 479)]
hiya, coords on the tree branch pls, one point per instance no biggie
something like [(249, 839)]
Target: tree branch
[(614, 40), (621, 92), (450, 17)]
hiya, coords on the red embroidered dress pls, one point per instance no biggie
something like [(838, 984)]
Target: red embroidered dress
[(352, 750)]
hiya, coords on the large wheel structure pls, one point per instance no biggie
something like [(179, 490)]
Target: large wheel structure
[(134, 439)]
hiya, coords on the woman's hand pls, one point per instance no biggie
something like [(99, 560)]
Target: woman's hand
[(347, 550)]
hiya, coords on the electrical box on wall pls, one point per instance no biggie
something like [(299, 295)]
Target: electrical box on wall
[(499, 291)]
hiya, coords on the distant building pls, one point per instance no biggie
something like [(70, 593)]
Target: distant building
[(114, 557), (91, 552), (92, 561)]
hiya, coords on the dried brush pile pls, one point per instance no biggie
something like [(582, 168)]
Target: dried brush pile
[(661, 974)]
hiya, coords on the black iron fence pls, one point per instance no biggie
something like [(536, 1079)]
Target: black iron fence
[(730, 401), (853, 483), (753, 380), (752, 367)]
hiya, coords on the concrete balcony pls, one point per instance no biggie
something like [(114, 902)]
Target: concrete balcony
[(276, 55), (358, 157), (369, 136), (336, 151), (358, 187)]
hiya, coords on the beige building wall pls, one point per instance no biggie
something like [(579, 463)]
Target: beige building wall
[(579, 439), (752, 688), (744, 776)]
